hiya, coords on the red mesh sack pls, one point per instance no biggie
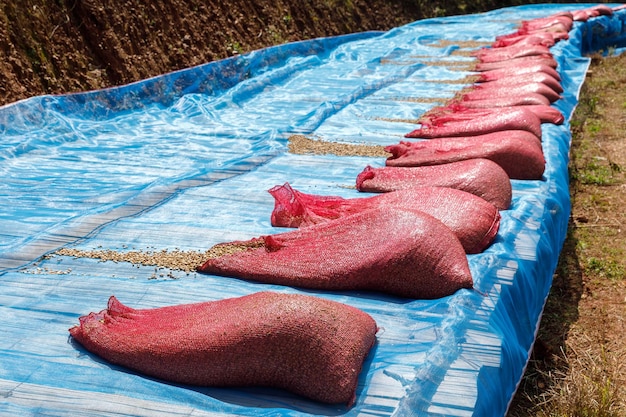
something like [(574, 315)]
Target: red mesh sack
[(546, 59), (545, 113), (293, 208), (506, 72), (510, 52), (481, 177), (474, 122), (563, 20), (519, 153), (556, 32), (393, 251), (537, 77), (522, 100), (540, 38), (601, 10), (473, 220), (482, 92), (558, 25), (595, 11), (306, 345)]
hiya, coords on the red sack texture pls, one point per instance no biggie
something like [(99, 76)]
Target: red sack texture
[(538, 77), (519, 153), (514, 90), (393, 251), (474, 221), (557, 32), (481, 177), (545, 113), (506, 72), (541, 38), (511, 52), (560, 22), (306, 345), (595, 11), (525, 61), (508, 101), (474, 122)]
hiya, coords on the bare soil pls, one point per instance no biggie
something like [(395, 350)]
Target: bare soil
[(75, 45), (578, 364)]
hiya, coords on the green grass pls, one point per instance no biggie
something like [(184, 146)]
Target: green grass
[(595, 173), (605, 268)]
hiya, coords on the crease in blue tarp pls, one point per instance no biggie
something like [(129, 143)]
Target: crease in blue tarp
[(183, 161)]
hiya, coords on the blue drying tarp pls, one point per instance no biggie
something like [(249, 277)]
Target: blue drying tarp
[(184, 161)]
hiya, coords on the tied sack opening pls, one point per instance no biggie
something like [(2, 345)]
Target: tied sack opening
[(473, 220), (303, 344), (390, 250)]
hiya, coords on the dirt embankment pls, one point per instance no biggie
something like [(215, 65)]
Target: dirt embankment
[(72, 45), (65, 46)]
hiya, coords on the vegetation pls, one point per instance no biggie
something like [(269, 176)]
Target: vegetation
[(577, 369)]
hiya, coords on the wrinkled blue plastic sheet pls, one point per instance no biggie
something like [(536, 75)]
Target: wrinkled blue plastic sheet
[(183, 161)]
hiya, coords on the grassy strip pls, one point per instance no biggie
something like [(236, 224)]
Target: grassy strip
[(578, 361)]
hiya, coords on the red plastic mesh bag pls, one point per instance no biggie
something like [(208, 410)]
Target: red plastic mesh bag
[(492, 90), (545, 113), (516, 79), (474, 122), (539, 38), (523, 100), (306, 345), (563, 21), (390, 250), (585, 14), (473, 220), (506, 72), (506, 53), (525, 61), (481, 177), (556, 33), (519, 153)]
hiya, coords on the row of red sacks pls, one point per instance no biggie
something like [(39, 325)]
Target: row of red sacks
[(439, 199), (455, 171)]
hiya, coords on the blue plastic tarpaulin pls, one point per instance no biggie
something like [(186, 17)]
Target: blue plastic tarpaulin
[(183, 161)]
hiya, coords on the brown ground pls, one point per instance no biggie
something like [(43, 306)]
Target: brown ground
[(580, 356), (74, 45)]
